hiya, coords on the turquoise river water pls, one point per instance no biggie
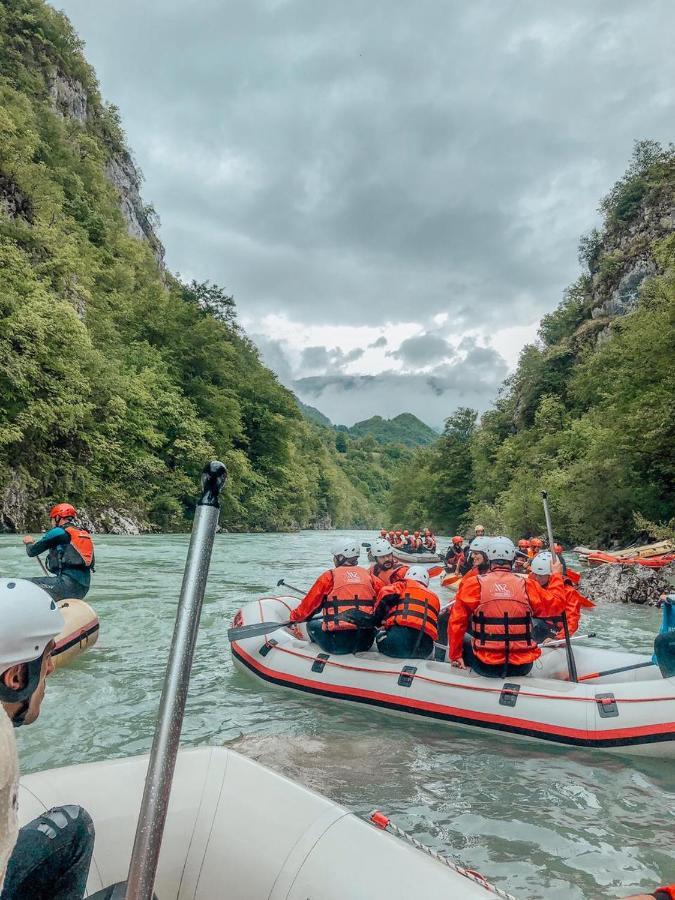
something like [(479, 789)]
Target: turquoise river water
[(538, 820)]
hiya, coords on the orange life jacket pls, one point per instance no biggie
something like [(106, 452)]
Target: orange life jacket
[(352, 589), (501, 623), (388, 576), (417, 608), (78, 554)]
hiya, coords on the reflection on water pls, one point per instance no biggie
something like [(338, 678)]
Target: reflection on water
[(550, 821)]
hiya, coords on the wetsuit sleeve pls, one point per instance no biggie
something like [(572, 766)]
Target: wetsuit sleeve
[(51, 538), (314, 597), (460, 614)]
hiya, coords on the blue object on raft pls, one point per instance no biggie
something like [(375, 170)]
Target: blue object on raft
[(668, 618)]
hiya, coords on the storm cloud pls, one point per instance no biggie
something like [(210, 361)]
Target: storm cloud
[(378, 164)]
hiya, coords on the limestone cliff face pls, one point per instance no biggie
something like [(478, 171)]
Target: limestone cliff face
[(69, 99)]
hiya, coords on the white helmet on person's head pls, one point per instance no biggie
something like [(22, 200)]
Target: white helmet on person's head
[(381, 547), (500, 549), (419, 574), (346, 548), (30, 621), (541, 563), (478, 545)]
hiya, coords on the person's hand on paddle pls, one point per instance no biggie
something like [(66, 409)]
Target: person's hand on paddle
[(557, 567), (27, 539), (295, 631), (458, 663)]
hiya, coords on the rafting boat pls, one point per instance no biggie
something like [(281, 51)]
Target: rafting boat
[(420, 559), (599, 558), (235, 828), (80, 632), (632, 711)]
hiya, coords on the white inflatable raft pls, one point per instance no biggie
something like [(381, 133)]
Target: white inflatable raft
[(421, 559), (79, 633), (632, 712), (235, 829)]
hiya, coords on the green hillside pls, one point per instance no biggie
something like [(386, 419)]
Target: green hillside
[(404, 429), (588, 414), (119, 380)]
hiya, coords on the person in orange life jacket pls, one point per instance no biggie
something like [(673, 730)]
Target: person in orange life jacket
[(70, 556), (385, 566), (383, 533), (543, 629), (398, 543), (429, 541), (497, 649), (408, 612), (391, 537), (454, 555), (521, 563), (536, 544), (346, 587)]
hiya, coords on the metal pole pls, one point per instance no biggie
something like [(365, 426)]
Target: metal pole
[(549, 527), (152, 816)]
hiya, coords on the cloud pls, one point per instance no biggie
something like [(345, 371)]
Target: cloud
[(349, 164), (423, 350)]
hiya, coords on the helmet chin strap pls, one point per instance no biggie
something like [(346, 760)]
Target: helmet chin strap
[(19, 716)]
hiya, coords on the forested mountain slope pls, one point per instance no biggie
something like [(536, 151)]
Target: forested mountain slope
[(404, 429), (589, 412), (117, 380)]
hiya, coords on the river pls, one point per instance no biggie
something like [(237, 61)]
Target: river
[(540, 821)]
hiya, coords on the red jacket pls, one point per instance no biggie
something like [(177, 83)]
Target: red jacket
[(389, 576), (467, 600), (574, 601), (315, 596)]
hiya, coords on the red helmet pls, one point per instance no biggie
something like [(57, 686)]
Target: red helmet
[(536, 542), (406, 532), (398, 532), (558, 548), (523, 543), (62, 511), (458, 539)]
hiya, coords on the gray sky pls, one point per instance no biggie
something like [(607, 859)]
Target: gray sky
[(393, 192)]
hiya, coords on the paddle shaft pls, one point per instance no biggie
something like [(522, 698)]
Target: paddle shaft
[(577, 637), (549, 526), (282, 583), (42, 565), (642, 665)]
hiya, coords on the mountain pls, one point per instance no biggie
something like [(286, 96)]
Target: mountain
[(312, 414), (404, 429), (588, 414), (118, 380)]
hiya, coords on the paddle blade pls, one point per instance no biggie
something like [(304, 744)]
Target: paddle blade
[(242, 632), (435, 570)]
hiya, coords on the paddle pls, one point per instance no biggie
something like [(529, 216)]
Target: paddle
[(562, 642), (282, 583), (630, 668), (571, 665)]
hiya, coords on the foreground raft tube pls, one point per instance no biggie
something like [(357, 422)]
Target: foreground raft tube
[(80, 632), (236, 829), (632, 712)]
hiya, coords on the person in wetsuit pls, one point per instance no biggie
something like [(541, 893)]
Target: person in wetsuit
[(70, 555)]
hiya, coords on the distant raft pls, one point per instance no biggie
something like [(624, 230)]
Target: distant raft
[(79, 633), (630, 711), (420, 559)]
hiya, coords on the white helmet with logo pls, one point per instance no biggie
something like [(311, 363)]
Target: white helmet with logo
[(541, 563), (30, 620), (419, 574), (501, 548), (381, 548), (346, 547)]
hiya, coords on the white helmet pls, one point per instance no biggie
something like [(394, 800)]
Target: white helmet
[(381, 548), (500, 548), (418, 573), (541, 563), (347, 548), (30, 620), (478, 545)]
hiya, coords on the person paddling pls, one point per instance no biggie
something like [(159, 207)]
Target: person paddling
[(70, 555), (408, 612), (496, 609), (346, 587), (51, 855), (543, 629)]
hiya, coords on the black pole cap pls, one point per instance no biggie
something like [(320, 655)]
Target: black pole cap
[(214, 476)]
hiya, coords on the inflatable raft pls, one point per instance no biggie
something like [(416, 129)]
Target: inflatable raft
[(632, 711), (236, 829), (79, 633), (598, 558), (420, 559)]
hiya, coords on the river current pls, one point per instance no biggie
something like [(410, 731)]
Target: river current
[(537, 820)]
